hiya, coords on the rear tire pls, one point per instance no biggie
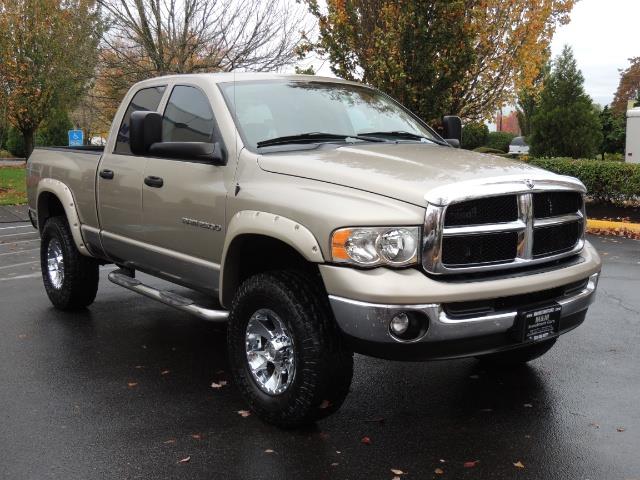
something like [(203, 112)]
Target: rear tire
[(296, 307), (70, 279), (516, 357)]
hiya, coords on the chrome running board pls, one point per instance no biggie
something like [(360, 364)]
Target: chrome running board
[(125, 279)]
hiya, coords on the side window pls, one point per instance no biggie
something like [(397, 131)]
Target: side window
[(145, 99), (187, 117)]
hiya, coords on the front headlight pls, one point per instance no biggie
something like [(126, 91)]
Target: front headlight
[(374, 246)]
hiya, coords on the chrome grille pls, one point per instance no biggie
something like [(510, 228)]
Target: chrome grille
[(528, 226)]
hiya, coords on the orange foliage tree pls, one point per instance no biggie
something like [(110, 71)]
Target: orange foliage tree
[(466, 57), (628, 88), (48, 50)]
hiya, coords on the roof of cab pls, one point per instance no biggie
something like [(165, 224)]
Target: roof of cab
[(243, 77)]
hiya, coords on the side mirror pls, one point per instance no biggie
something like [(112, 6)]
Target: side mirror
[(145, 129), (200, 151), (452, 127)]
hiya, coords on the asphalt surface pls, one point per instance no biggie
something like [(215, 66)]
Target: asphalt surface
[(123, 390)]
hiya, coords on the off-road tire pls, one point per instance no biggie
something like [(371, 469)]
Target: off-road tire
[(80, 282), (516, 357), (324, 367)]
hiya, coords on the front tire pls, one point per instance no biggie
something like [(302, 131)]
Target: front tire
[(517, 357), (285, 351), (70, 279)]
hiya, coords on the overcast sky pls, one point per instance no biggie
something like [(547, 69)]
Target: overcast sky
[(604, 34)]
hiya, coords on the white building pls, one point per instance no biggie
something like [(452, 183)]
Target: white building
[(632, 150)]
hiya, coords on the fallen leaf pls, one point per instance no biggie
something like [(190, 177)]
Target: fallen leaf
[(165, 372), (594, 425), (132, 384), (196, 436), (365, 440), (527, 405), (518, 464), (185, 460), (442, 460), (216, 385), (621, 429), (244, 413), (438, 471), (471, 464), (139, 367), (22, 336), (395, 471), (268, 450), (170, 441), (335, 464), (325, 404), (338, 452)]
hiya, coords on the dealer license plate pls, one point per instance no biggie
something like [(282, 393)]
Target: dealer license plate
[(541, 323)]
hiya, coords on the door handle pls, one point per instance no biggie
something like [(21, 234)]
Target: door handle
[(155, 182), (106, 174)]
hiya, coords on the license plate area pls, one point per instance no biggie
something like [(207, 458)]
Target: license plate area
[(538, 323)]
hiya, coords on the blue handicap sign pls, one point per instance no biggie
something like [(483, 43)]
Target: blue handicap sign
[(76, 138)]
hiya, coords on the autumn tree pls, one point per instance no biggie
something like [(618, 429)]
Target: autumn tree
[(466, 57), (47, 55), (148, 38), (565, 123), (628, 88)]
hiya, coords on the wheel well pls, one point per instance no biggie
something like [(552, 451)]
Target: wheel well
[(250, 254), (48, 206)]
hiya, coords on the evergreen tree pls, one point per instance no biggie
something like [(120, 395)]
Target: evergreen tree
[(565, 123), (613, 132)]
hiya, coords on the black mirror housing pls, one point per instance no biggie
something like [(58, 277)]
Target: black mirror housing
[(145, 129), (452, 126), (198, 151), (454, 142)]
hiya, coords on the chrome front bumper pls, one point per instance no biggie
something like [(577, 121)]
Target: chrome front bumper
[(369, 322)]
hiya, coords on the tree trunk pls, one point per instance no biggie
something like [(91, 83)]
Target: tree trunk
[(27, 136)]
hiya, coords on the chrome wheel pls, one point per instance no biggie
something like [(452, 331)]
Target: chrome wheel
[(55, 263), (270, 352)]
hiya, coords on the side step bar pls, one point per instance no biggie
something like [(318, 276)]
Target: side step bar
[(125, 279)]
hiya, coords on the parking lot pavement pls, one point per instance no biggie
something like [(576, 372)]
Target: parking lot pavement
[(123, 390)]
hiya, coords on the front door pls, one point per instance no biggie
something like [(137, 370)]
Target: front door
[(119, 184), (184, 201)]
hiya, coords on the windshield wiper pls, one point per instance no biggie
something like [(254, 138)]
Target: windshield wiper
[(401, 135), (313, 137)]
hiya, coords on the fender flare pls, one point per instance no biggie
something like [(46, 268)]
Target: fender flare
[(271, 225), (64, 194)]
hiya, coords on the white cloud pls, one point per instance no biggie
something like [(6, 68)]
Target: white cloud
[(603, 35)]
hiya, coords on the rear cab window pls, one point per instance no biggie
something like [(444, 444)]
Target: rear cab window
[(146, 99)]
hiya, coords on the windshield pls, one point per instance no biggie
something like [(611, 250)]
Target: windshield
[(267, 110)]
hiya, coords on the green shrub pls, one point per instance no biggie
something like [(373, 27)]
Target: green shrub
[(15, 142), (474, 135), (500, 141), (606, 181), (487, 150)]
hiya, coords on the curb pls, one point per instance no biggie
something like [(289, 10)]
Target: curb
[(606, 226)]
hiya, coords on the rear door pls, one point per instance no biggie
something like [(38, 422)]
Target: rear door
[(184, 213), (119, 182)]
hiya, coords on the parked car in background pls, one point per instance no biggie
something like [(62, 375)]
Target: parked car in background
[(324, 218), (632, 150), (518, 146)]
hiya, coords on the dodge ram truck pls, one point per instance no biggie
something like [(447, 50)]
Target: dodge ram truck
[(322, 218)]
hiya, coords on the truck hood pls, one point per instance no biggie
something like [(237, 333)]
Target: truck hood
[(403, 171)]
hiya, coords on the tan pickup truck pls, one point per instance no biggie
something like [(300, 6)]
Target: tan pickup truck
[(324, 218)]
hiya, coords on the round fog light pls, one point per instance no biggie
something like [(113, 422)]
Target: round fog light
[(400, 323)]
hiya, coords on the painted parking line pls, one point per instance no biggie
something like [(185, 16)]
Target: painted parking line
[(18, 226), (9, 242), (17, 234), (19, 264), (19, 251), (106, 268)]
